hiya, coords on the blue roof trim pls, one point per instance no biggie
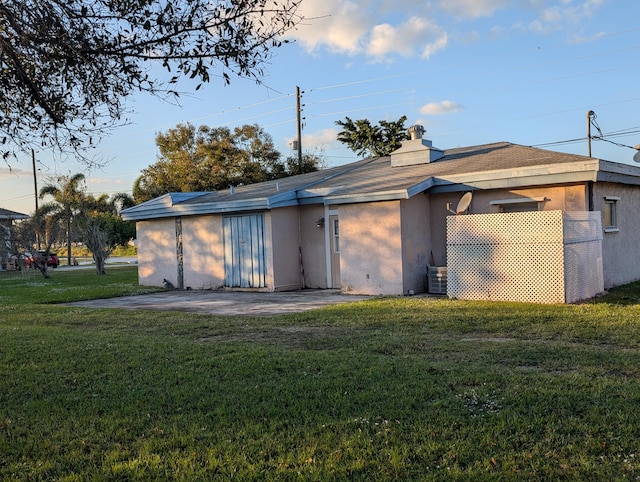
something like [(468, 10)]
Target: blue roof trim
[(155, 207), (368, 197), (420, 187)]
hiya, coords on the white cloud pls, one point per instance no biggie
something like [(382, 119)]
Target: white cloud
[(415, 35), (107, 180), (473, 8), (439, 108), (438, 44), (365, 27), (335, 24), (7, 171), (317, 140), (383, 29), (568, 13)]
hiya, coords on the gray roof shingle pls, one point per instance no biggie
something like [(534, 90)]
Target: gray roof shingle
[(475, 167)]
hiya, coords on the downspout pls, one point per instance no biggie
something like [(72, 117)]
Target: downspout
[(303, 280), (590, 195), (179, 253)]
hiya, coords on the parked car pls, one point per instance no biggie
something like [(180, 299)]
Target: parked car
[(52, 259), (28, 260)]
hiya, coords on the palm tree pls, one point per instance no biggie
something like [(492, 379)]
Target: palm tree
[(68, 201)]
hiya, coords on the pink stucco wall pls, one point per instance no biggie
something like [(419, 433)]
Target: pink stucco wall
[(621, 248), (312, 240), (203, 253), (371, 248), (285, 248), (416, 242), (156, 240)]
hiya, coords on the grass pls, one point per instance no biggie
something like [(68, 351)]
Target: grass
[(391, 388)]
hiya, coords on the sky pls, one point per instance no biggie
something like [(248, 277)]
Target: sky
[(471, 72)]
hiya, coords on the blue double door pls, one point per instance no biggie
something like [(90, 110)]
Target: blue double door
[(244, 251)]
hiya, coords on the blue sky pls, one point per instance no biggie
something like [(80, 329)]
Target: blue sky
[(470, 71)]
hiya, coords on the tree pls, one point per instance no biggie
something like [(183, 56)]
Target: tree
[(69, 65), (365, 139), (96, 238), (209, 159), (103, 228), (309, 163), (68, 203)]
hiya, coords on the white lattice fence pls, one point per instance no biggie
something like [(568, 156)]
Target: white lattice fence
[(521, 256), (583, 255)]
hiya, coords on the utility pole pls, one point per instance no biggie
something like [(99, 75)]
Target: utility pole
[(299, 123), (590, 114), (35, 178), (35, 188)]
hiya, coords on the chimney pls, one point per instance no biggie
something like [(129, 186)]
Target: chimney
[(416, 150)]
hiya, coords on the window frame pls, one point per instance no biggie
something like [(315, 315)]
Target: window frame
[(500, 203), (336, 236), (611, 204)]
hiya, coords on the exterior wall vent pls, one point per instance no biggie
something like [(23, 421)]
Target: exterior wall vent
[(416, 150)]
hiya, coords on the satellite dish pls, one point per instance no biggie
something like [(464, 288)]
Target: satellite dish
[(636, 156), (463, 204)]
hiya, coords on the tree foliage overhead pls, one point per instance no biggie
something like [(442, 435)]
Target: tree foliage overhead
[(68, 65), (366, 139), (213, 158)]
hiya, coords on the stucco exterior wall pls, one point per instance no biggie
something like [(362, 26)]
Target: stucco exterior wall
[(312, 240), (416, 242), (564, 198), (203, 252), (157, 257), (620, 249), (285, 245), (371, 248)]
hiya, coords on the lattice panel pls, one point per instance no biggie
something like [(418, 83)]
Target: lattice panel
[(523, 256), (536, 227), (583, 226), (506, 272), (583, 270)]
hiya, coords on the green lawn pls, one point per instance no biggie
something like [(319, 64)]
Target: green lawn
[(409, 388)]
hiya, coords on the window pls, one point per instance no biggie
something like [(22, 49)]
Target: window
[(336, 237), (519, 204), (610, 214), (519, 207)]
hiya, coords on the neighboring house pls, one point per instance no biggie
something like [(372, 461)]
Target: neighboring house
[(6, 220), (373, 226)]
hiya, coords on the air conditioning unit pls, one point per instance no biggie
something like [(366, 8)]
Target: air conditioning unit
[(437, 279)]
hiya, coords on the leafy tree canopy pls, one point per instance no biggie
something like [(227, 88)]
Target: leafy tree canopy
[(68, 65), (366, 139), (213, 158)]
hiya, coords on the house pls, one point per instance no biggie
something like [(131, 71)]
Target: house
[(374, 226), (6, 221)]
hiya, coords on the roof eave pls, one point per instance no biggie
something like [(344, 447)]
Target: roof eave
[(367, 197), (520, 177)]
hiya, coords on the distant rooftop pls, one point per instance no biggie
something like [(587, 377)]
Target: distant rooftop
[(12, 215)]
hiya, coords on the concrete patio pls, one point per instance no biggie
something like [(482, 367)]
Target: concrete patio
[(228, 303)]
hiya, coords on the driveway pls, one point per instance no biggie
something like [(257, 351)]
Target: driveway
[(230, 303)]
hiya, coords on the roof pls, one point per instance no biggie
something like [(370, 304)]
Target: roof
[(489, 166), (12, 215)]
